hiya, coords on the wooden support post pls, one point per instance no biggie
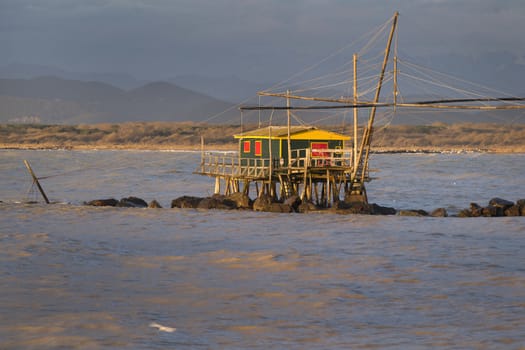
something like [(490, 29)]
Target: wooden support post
[(35, 180), (327, 188), (217, 185)]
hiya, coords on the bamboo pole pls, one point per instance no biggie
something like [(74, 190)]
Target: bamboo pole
[(395, 83), (35, 180)]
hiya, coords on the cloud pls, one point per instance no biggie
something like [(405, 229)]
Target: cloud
[(242, 37)]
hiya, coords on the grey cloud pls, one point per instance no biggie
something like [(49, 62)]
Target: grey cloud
[(243, 37)]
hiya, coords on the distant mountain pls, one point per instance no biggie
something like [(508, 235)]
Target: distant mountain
[(56, 100), (230, 89), (29, 71)]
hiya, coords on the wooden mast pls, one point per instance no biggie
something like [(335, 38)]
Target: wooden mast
[(355, 111), (367, 134), (288, 115), (395, 83)]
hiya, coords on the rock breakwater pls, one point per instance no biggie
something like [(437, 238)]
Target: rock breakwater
[(496, 207)]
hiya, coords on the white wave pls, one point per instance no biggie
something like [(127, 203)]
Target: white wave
[(162, 328)]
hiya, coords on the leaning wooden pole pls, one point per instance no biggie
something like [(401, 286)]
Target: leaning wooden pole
[(35, 180), (368, 130)]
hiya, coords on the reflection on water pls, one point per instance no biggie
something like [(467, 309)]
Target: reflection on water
[(97, 278)]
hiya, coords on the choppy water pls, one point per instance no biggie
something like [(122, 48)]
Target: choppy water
[(97, 278)]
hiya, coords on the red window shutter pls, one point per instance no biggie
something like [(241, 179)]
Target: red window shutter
[(258, 148), (246, 147)]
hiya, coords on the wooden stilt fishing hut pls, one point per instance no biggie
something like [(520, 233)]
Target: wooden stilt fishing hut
[(319, 165), (279, 161)]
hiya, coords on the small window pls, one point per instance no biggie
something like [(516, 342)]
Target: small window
[(258, 148), (246, 147)]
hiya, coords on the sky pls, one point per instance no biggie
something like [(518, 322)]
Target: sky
[(250, 39)]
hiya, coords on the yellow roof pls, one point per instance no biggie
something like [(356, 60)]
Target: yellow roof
[(296, 133)]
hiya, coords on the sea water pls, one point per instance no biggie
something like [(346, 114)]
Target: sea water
[(79, 277)]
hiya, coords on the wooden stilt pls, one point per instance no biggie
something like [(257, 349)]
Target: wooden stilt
[(217, 185)]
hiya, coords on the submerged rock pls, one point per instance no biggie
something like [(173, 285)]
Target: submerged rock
[(306, 207), (500, 203), (186, 202), (132, 202), (465, 213), (154, 204), (346, 207), (413, 212), (110, 202), (475, 210), (214, 202), (514, 210), (262, 203), (294, 202), (280, 208), (492, 211), (241, 200), (439, 213), (217, 202), (497, 207), (380, 210)]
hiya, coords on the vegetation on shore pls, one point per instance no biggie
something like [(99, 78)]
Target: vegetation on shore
[(437, 137)]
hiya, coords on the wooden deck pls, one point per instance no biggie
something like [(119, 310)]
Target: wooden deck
[(314, 174)]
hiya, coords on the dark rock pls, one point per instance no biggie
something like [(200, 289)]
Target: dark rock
[(413, 212), (342, 205), (439, 213), (353, 208), (521, 202), (217, 202), (132, 202), (355, 198), (492, 211), (465, 213), (522, 210), (262, 203), (514, 210), (294, 202), (241, 200), (154, 204), (111, 202), (475, 210), (380, 210), (186, 202), (500, 203), (306, 207), (280, 208), (207, 203)]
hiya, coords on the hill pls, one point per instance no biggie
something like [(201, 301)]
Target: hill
[(52, 100)]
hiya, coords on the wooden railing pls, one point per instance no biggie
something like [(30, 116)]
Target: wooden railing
[(318, 158), (222, 164)]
